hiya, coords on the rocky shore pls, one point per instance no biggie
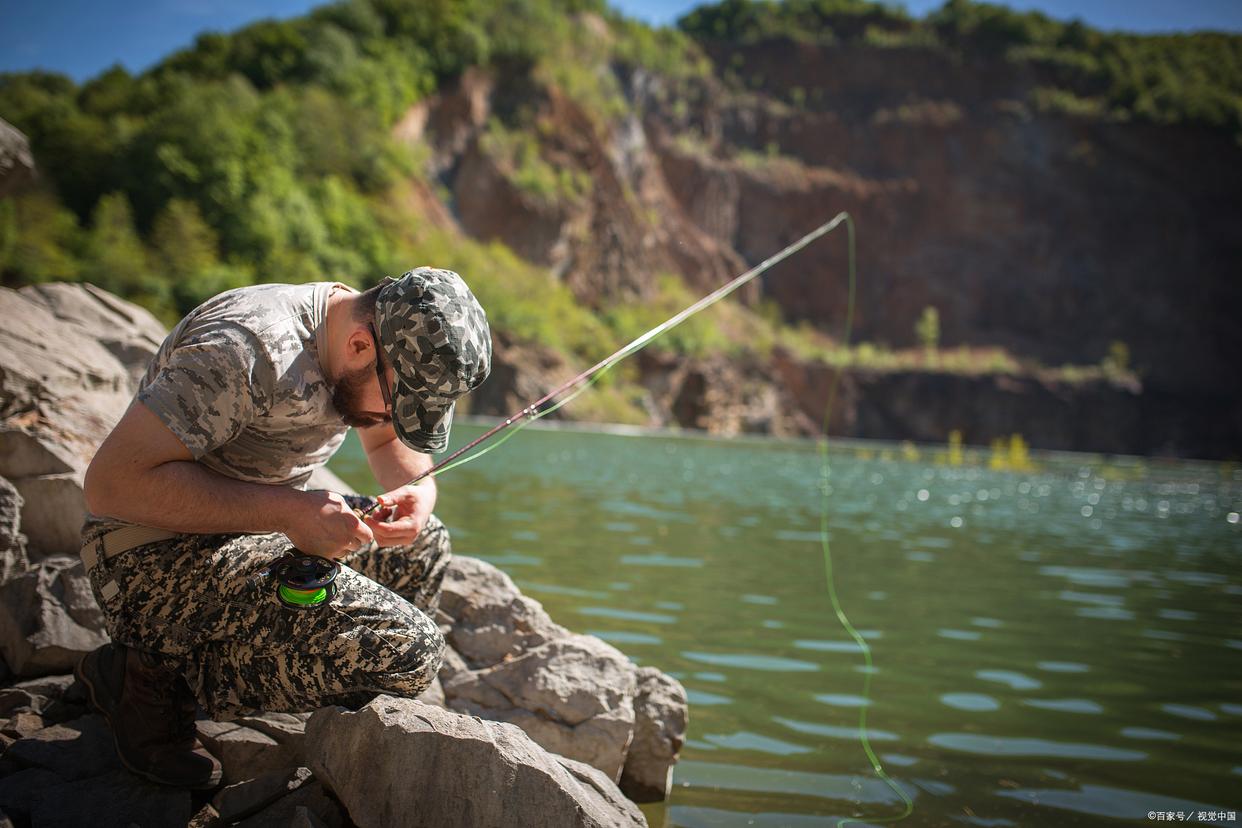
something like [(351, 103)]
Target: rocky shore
[(528, 723)]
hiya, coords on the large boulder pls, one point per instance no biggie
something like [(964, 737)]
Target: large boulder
[(70, 359), (661, 713), (49, 618), (130, 332), (573, 694), (429, 766), (491, 619)]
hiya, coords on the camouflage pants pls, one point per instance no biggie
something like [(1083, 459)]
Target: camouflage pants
[(204, 604)]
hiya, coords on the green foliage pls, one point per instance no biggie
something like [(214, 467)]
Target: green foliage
[(520, 298), (1011, 455), (41, 240), (1181, 78), (697, 336), (667, 52), (518, 154), (815, 21), (116, 259), (927, 329)]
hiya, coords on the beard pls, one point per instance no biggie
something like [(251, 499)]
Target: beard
[(347, 394)]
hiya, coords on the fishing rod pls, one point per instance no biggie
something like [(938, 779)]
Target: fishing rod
[(307, 588), (534, 411)]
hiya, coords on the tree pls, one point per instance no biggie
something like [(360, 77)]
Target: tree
[(116, 259)]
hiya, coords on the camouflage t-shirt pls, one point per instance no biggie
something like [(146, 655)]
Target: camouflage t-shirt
[(240, 382)]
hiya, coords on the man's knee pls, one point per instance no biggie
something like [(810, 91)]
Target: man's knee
[(418, 649), (435, 539)]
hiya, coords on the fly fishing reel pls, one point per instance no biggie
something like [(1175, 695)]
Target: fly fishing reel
[(305, 581)]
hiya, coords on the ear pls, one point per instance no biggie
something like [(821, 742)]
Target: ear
[(359, 344)]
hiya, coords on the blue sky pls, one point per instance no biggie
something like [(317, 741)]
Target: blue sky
[(83, 37)]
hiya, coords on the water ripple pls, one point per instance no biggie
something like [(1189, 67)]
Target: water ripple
[(842, 700), (702, 697), (745, 740), (1065, 705), (1016, 681), (959, 635), (1149, 733), (753, 662), (1112, 803), (628, 615), (844, 787), (1187, 711), (660, 560), (974, 702), (835, 732), (1033, 748), (1063, 666)]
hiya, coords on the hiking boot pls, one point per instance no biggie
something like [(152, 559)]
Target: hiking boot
[(151, 712)]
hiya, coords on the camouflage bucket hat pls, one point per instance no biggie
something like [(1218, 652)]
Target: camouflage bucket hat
[(436, 337)]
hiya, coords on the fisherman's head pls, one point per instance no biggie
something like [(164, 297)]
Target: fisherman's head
[(434, 346)]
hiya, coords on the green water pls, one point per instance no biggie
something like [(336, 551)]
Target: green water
[(1061, 647)]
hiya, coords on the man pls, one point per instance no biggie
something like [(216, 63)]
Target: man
[(199, 489)]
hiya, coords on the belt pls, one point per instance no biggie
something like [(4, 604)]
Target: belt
[(121, 540)]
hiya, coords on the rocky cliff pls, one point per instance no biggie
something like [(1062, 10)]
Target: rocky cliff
[(1049, 236)]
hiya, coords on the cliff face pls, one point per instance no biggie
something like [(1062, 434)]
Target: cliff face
[(1045, 234), (1048, 235)]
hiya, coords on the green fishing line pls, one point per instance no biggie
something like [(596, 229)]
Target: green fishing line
[(301, 596), (824, 490), (649, 337)]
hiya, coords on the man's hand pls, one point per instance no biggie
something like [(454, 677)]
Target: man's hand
[(322, 524), (402, 514)]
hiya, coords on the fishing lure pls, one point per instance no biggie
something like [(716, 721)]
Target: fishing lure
[(548, 403)]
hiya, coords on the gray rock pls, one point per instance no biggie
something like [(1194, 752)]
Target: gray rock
[(53, 513), (661, 714), (19, 791), (287, 729), (114, 800), (45, 696), (452, 666), (61, 394), (49, 687), (491, 618), (130, 332), (78, 749), (432, 767), (434, 694), (13, 558), (21, 724), (245, 752), (49, 618), (574, 696), (312, 797), (243, 799)]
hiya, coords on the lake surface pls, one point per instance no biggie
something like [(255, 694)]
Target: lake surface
[(1051, 647)]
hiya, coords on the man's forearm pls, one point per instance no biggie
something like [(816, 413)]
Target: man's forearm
[(186, 496), (394, 465)]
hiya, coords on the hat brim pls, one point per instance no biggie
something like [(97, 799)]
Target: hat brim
[(423, 426)]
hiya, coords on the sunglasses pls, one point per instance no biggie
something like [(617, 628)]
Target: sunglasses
[(380, 374)]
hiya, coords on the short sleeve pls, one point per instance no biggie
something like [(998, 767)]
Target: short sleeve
[(209, 389)]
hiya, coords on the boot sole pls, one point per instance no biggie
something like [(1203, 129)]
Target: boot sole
[(80, 675)]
